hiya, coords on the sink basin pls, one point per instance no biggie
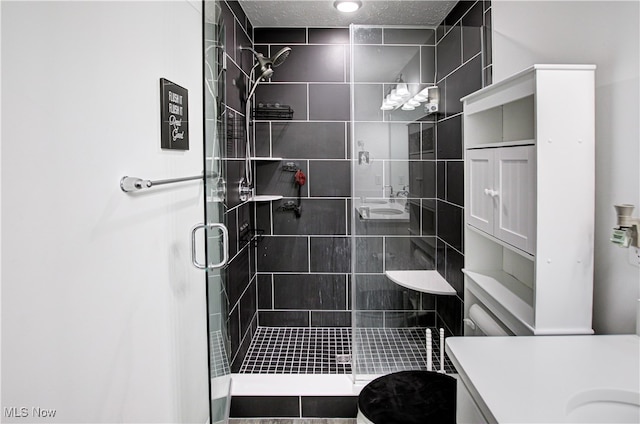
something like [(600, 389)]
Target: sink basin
[(387, 211), (604, 406), (375, 201)]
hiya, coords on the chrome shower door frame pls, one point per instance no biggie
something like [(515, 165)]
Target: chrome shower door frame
[(214, 229)]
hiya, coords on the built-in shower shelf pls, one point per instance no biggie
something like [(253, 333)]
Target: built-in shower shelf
[(265, 198), (424, 281), (265, 158)]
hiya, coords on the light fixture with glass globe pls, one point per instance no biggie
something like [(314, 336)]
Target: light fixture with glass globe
[(347, 6)]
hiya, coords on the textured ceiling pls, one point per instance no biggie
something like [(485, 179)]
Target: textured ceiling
[(308, 13)]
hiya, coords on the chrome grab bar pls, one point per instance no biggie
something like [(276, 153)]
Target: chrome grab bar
[(225, 245), (129, 184)]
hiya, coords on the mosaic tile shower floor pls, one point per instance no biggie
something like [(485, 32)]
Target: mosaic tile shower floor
[(218, 363), (286, 350)]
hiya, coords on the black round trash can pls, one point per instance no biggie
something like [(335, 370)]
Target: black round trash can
[(408, 397)]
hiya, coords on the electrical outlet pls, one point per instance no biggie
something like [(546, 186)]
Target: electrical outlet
[(634, 256)]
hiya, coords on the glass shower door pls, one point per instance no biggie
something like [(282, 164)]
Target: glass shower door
[(215, 231), (393, 189)]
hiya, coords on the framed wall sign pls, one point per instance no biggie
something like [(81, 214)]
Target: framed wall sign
[(174, 116)]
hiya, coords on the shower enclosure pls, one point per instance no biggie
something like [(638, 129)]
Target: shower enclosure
[(393, 105), (319, 292)]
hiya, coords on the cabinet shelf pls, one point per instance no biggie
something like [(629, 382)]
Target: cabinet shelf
[(507, 297), (512, 143), (502, 243), (423, 281)]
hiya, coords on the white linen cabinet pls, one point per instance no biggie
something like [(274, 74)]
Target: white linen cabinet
[(529, 200)]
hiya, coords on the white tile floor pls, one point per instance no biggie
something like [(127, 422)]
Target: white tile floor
[(286, 350), (218, 362)]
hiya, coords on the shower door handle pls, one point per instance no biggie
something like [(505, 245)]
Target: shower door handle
[(225, 245)]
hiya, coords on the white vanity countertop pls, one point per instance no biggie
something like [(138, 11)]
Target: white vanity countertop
[(537, 379)]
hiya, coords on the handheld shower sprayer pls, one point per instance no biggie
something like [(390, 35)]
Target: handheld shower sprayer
[(282, 55), (266, 65)]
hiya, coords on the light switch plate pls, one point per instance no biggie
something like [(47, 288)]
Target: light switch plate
[(634, 256)]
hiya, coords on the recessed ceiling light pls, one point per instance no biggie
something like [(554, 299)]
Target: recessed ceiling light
[(347, 6)]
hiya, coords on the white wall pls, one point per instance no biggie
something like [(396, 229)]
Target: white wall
[(103, 317), (605, 33)]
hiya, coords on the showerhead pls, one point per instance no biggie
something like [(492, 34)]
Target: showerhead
[(279, 58), (264, 63), (267, 63), (266, 74)]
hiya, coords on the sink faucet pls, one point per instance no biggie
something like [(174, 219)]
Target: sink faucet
[(404, 194), (391, 199)]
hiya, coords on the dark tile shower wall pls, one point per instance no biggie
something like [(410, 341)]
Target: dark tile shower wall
[(463, 53), (241, 282), (303, 262)]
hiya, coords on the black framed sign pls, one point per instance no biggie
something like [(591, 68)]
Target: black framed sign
[(174, 116)]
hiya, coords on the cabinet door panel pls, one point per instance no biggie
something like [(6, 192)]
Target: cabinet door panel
[(480, 178), (515, 213)]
